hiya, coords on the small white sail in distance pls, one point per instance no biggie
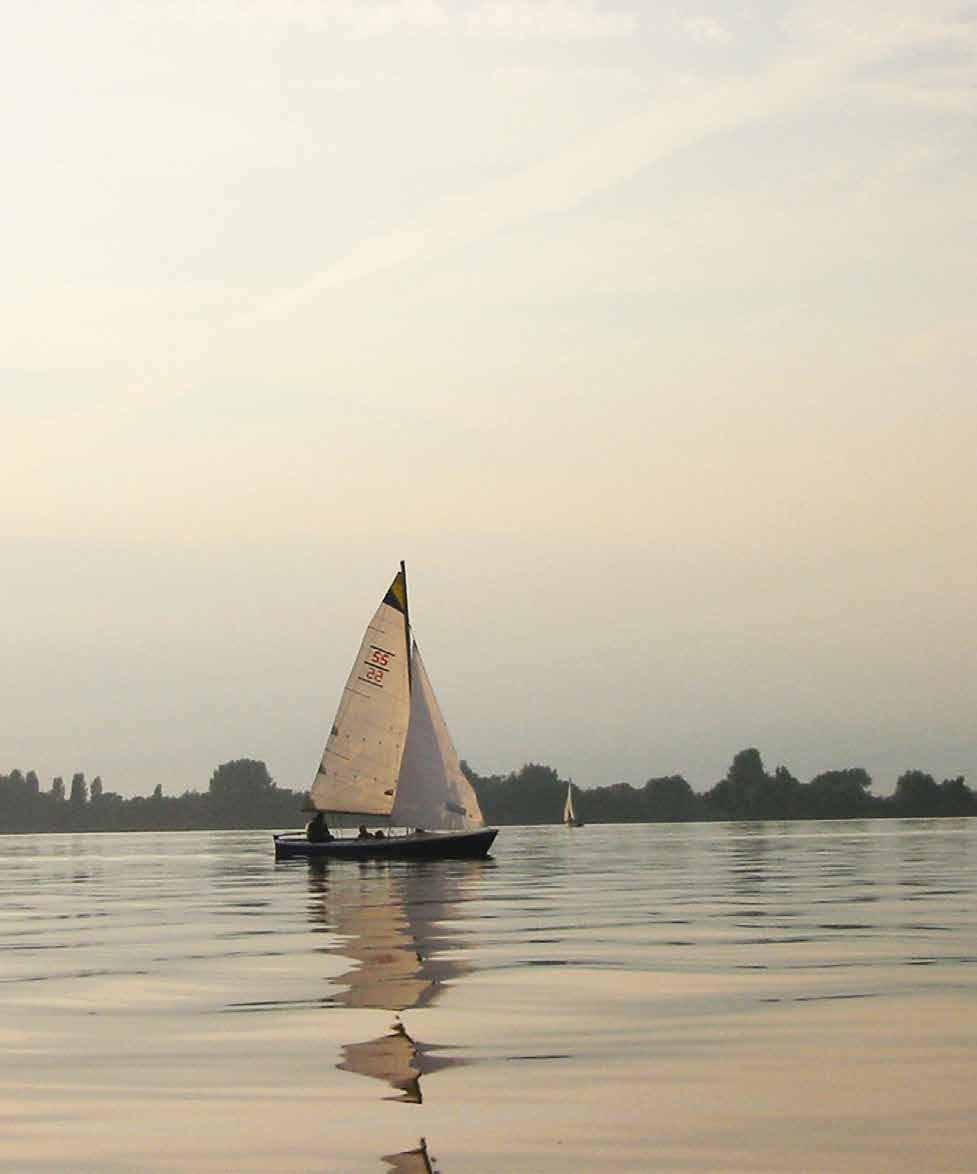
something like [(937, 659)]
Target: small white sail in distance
[(432, 792), (361, 761), (568, 813)]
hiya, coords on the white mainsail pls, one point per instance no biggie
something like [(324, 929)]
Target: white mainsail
[(568, 814), (361, 761), (433, 792)]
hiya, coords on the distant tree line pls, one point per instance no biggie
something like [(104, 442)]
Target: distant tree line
[(242, 794), (535, 794)]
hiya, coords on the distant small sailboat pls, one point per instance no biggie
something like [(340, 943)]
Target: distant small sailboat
[(569, 815), (389, 755)]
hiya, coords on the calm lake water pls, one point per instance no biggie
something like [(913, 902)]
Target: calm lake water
[(689, 997)]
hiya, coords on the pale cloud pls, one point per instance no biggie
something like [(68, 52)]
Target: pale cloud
[(934, 67), (540, 79), (707, 28), (952, 92), (551, 19), (557, 20), (600, 160)]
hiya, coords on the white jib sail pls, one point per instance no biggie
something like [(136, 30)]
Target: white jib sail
[(361, 761), (568, 816), (433, 792)]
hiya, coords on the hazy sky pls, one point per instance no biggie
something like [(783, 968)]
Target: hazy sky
[(644, 332)]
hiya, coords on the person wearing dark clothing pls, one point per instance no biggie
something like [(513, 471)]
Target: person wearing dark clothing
[(317, 830)]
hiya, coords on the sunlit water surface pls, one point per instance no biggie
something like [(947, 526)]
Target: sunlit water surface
[(688, 997)]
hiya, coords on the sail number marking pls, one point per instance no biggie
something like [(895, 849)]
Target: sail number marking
[(376, 665)]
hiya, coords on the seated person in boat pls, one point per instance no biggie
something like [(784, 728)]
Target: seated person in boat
[(363, 834), (317, 830), (378, 834)]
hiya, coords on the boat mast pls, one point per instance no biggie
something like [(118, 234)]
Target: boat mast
[(410, 673), (410, 681)]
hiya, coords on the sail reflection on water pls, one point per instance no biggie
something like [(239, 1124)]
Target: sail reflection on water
[(396, 925), (415, 1161)]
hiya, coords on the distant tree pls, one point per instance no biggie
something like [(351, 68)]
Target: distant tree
[(740, 794), (33, 783), (917, 793), (854, 780), (19, 802), (57, 789), (617, 803), (95, 792), (158, 791), (749, 792), (79, 789), (241, 781), (669, 798), (956, 798), (243, 794), (746, 769), (783, 794), (533, 794), (836, 794)]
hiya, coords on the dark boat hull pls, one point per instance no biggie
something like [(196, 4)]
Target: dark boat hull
[(418, 846)]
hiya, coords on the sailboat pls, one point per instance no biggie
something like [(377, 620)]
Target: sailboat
[(569, 815), (389, 756)]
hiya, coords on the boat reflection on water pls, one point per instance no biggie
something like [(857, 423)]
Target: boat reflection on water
[(396, 922)]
